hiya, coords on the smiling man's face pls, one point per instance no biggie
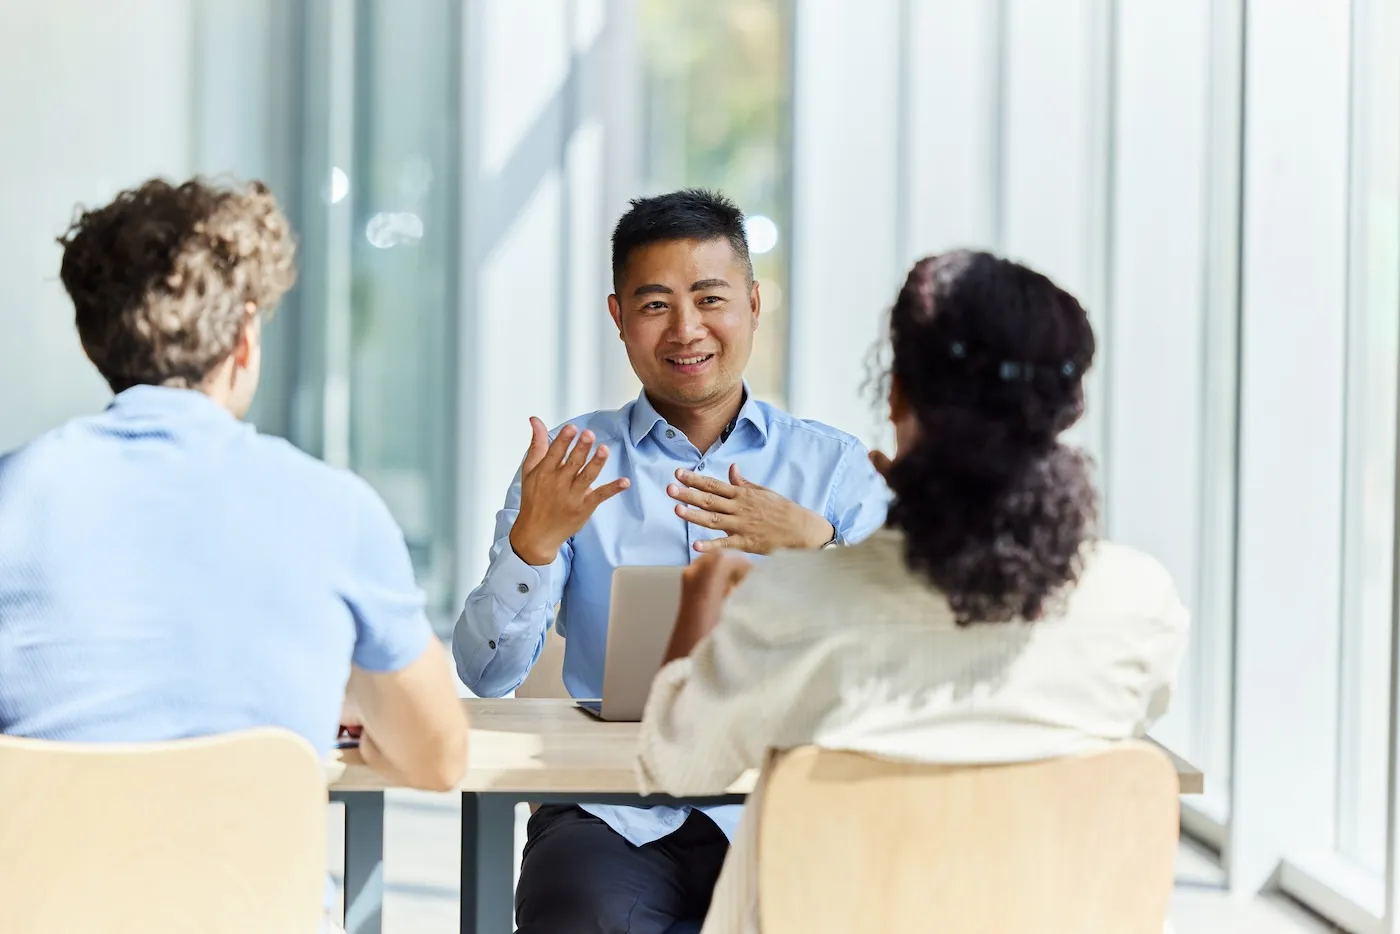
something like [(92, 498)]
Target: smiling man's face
[(687, 312)]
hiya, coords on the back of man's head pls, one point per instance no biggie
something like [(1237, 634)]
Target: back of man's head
[(689, 214), (162, 277)]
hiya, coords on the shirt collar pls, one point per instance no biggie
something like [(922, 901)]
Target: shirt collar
[(644, 416), (165, 402)]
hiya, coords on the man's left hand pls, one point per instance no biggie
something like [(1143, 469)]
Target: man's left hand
[(756, 519)]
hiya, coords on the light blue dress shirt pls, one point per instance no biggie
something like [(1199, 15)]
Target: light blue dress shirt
[(501, 632)]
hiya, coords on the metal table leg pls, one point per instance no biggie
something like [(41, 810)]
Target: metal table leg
[(364, 860), (488, 863)]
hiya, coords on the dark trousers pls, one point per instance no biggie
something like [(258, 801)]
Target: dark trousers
[(578, 876)]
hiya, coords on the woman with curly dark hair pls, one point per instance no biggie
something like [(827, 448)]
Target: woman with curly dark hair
[(986, 623)]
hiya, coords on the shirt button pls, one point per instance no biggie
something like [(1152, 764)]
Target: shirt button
[(523, 588), (700, 466), (492, 643), (670, 432)]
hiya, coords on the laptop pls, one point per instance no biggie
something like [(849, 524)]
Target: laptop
[(641, 615)]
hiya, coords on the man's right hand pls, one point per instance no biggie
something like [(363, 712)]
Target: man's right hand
[(556, 492)]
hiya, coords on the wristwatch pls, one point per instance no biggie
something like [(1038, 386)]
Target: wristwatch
[(835, 538)]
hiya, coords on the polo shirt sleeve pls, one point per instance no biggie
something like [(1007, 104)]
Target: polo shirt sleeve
[(391, 625)]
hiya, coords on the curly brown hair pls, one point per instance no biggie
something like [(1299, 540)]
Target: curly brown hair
[(990, 356), (163, 278)]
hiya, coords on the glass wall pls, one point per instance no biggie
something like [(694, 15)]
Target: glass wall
[(717, 114), (1373, 322), (403, 260), (362, 372)]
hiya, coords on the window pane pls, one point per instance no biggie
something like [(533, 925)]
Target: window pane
[(717, 86), (403, 257), (1211, 652), (1374, 325)]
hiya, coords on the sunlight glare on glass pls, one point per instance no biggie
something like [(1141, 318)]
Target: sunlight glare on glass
[(390, 229), (762, 233), (338, 186)]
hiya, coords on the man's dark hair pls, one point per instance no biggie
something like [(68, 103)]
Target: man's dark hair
[(689, 214)]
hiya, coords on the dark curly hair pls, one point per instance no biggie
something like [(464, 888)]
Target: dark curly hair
[(989, 356), (162, 279)]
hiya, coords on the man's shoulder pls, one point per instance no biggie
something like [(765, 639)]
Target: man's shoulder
[(334, 499), (282, 460), (604, 423), (66, 445), (818, 432)]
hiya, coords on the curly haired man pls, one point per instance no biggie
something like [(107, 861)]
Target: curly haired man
[(165, 570)]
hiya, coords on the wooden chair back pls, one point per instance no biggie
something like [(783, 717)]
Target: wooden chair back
[(546, 679), (220, 835), (1079, 845)]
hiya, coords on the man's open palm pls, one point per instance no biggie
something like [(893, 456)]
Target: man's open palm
[(557, 495)]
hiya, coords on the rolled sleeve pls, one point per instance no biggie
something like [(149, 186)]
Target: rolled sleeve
[(1162, 653), (655, 762), (391, 626), (712, 716)]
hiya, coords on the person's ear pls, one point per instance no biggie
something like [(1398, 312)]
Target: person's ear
[(899, 405), (248, 336), (755, 304), (615, 309)]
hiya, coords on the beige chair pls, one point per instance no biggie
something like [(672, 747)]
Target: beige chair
[(214, 835), (546, 679), (1079, 845)]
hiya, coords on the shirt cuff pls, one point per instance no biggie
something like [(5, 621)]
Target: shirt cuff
[(518, 586)]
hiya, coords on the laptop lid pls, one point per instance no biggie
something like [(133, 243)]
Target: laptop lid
[(641, 616)]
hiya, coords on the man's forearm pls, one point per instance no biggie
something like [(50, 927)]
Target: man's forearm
[(375, 759)]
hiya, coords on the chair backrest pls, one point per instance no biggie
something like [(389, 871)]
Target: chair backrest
[(219, 834), (546, 679), (1079, 845)]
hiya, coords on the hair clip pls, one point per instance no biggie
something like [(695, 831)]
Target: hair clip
[(958, 349), (1067, 368)]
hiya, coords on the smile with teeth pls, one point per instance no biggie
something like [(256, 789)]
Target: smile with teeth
[(694, 360)]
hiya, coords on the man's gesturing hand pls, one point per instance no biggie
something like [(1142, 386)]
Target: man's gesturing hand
[(756, 519), (556, 491)]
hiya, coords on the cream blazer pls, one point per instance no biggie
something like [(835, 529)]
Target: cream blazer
[(847, 649)]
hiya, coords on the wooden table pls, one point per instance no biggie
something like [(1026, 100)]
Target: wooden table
[(545, 751)]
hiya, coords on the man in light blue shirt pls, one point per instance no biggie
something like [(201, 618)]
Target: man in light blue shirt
[(168, 572), (693, 464)]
